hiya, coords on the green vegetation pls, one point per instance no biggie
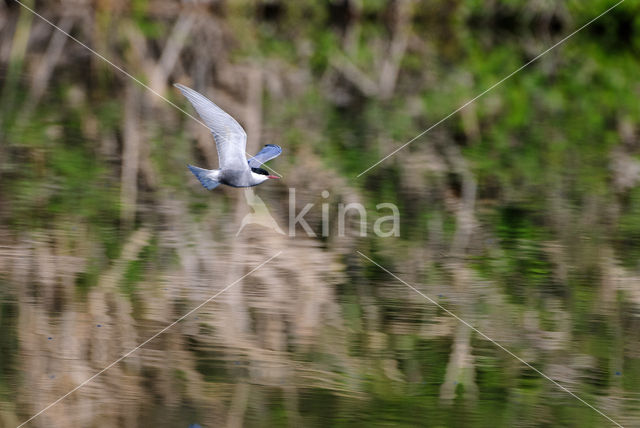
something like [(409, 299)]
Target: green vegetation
[(552, 155)]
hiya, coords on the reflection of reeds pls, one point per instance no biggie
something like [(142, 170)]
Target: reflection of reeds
[(295, 291), (314, 319)]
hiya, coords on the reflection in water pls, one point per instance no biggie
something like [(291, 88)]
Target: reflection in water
[(521, 215), (309, 339), (242, 341)]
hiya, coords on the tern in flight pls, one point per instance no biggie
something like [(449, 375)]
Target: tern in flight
[(231, 141)]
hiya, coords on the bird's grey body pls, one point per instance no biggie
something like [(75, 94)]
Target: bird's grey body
[(231, 141)]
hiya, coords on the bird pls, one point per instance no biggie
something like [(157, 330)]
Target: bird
[(231, 142)]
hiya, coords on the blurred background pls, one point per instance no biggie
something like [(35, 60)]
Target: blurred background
[(521, 214)]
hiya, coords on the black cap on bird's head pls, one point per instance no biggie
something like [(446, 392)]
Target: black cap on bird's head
[(260, 171), (263, 172)]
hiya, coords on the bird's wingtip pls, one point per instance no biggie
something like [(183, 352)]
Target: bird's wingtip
[(275, 146)]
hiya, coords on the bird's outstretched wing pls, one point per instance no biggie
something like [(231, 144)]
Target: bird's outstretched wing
[(267, 153), (231, 140)]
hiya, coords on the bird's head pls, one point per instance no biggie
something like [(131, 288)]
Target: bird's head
[(264, 172)]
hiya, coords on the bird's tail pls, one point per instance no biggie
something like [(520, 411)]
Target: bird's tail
[(208, 177)]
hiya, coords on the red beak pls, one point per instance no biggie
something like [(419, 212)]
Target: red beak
[(273, 176)]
